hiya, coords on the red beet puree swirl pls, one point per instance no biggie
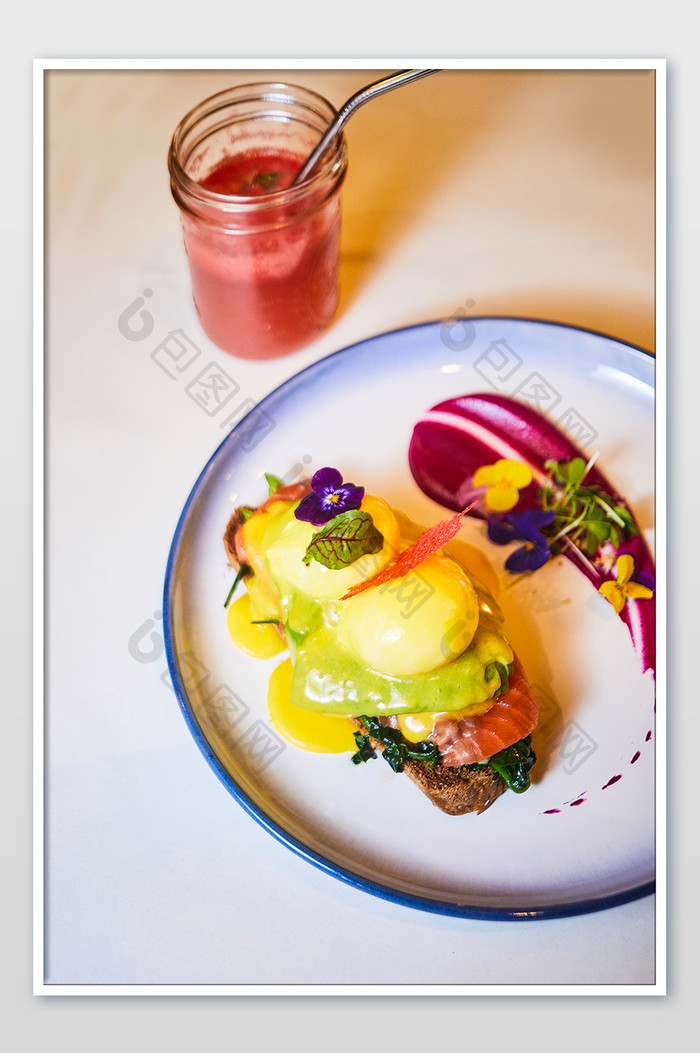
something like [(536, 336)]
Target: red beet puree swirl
[(459, 435)]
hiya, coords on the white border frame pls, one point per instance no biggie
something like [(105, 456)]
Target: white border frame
[(41, 66)]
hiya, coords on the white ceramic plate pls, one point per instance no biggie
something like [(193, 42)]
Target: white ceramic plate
[(575, 841)]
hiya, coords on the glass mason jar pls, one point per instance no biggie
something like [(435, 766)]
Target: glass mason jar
[(263, 255)]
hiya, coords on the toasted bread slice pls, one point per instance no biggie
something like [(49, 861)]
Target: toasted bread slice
[(455, 791)]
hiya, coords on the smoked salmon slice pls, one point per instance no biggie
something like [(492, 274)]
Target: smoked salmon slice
[(468, 740)]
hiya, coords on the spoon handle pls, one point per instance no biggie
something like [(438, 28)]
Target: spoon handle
[(404, 76)]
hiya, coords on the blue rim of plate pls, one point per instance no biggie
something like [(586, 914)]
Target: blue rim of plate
[(436, 906)]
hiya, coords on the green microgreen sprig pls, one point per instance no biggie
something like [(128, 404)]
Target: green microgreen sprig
[(244, 571), (585, 516)]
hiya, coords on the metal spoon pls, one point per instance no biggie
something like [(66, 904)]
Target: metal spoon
[(404, 76)]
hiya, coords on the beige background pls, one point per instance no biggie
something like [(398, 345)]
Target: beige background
[(521, 193)]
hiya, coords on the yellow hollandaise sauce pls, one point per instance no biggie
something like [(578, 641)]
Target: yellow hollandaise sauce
[(308, 731), (373, 654), (257, 638), (317, 732)]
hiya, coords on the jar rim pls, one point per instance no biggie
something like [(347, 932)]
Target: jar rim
[(333, 167)]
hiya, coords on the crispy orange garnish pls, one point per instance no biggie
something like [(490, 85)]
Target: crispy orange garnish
[(429, 542)]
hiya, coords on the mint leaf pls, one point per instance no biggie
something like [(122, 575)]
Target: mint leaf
[(343, 540), (267, 180)]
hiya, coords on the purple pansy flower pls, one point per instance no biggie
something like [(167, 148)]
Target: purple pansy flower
[(523, 526), (328, 498)]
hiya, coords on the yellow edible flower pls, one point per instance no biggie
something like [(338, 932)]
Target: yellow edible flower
[(504, 479), (623, 588)]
